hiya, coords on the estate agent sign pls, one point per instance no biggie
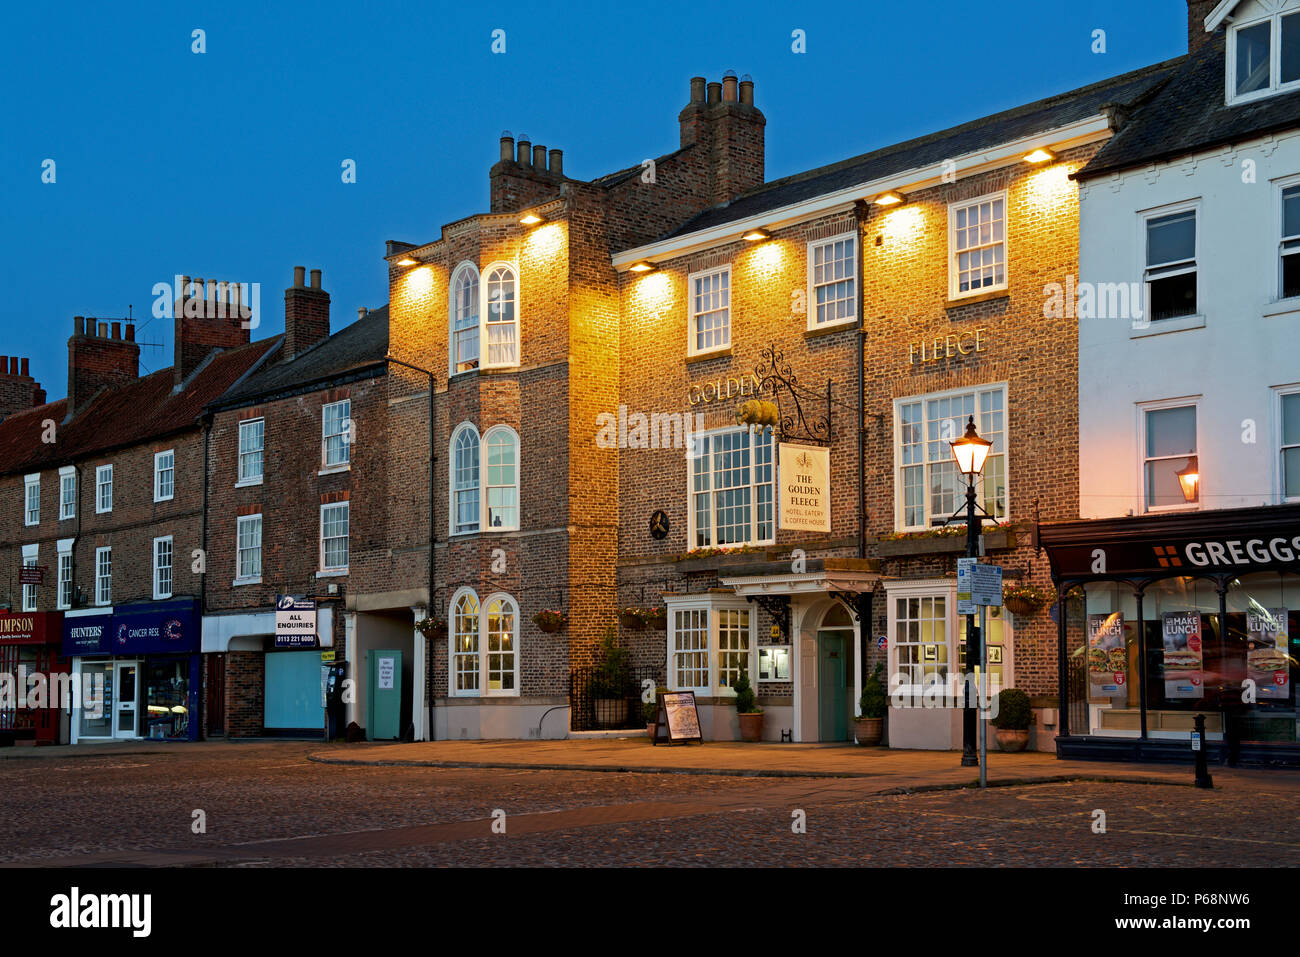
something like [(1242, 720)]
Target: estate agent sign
[(295, 622)]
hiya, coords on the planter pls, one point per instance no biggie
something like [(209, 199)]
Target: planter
[(549, 625), (751, 726), (434, 632), (650, 731), (942, 544), (868, 731), (1012, 740), (659, 623), (1022, 607), (631, 621)]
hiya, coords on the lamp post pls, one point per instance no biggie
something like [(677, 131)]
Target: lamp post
[(970, 451)]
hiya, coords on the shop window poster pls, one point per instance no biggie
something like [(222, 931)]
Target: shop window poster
[(1182, 659), (1267, 661), (1107, 655)]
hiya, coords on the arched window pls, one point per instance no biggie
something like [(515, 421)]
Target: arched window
[(465, 645), (501, 311), (463, 345), (501, 641), (465, 509), (501, 489)]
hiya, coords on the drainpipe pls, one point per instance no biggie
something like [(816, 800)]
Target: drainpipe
[(860, 209), (203, 579), (428, 664)]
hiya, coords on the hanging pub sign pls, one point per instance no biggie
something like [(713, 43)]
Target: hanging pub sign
[(678, 718), (295, 622), (1182, 654), (1267, 661), (1107, 655), (805, 472), (32, 574)]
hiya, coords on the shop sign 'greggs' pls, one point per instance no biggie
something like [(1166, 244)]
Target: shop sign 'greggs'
[(805, 488), (729, 388), (947, 347)]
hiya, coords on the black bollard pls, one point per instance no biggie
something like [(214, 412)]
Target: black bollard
[(1203, 779)]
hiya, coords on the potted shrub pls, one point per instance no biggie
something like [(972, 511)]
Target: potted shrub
[(550, 620), (609, 680), (870, 727), (434, 628), (650, 710), (632, 619), (1012, 722), (1026, 600), (749, 713)]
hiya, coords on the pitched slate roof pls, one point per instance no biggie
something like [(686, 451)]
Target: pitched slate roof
[(139, 411), (361, 345), (984, 133), (1189, 114)]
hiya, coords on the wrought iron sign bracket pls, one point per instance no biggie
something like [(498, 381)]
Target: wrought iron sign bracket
[(858, 604), (797, 424), (778, 606)]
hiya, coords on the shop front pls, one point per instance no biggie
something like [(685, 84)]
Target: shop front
[(146, 658), (32, 673), (1165, 617)]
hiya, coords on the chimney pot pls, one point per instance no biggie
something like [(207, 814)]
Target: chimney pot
[(24, 372), (697, 89), (4, 365), (299, 276), (185, 287), (507, 146), (362, 312), (315, 278), (539, 158), (117, 330), (746, 90), (103, 330), (78, 325), (130, 332), (13, 365), (729, 87), (557, 162), (525, 154), (715, 94)]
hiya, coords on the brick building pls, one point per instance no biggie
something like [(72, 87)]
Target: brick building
[(105, 493)]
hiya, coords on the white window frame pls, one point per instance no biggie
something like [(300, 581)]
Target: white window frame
[(711, 605), (1275, 84), (692, 315), (242, 479), (460, 272), (452, 486), (484, 650), (158, 472), (100, 485), (954, 280), (32, 482), (1280, 186), (713, 514), (900, 508), (1142, 409), (64, 551), (945, 588), (31, 555), (67, 505), (344, 434), (1280, 478), (103, 584), (851, 237), (481, 651), (485, 521), (1160, 212), (346, 506), (240, 577), (158, 592), (484, 348)]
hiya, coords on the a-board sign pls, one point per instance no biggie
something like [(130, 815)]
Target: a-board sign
[(678, 719)]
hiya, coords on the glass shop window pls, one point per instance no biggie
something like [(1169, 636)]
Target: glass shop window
[(167, 693)]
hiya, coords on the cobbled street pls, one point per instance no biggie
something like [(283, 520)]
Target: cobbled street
[(267, 804)]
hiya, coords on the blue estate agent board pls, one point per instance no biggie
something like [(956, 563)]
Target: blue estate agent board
[(150, 628)]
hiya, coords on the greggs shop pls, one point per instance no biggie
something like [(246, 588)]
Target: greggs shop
[(1165, 617)]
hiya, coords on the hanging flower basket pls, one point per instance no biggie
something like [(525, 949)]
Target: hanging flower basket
[(1026, 600), (550, 621), (434, 628), (656, 618), (631, 619)]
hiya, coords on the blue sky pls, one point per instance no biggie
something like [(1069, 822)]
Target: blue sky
[(226, 164)]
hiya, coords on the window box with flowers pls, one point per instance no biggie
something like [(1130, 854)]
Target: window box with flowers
[(1026, 600), (942, 540), (707, 559), (631, 619), (550, 620)]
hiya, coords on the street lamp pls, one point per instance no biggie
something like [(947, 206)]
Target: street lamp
[(970, 451)]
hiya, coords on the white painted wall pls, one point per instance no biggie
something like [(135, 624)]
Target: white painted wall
[(1243, 345)]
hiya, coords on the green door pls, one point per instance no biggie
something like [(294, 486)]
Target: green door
[(832, 692), (385, 707)]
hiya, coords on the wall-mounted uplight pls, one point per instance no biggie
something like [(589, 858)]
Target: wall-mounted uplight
[(890, 198), (1040, 155), (408, 261), (642, 266), (756, 235), (531, 219)]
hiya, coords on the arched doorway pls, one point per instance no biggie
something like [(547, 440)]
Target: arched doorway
[(836, 640)]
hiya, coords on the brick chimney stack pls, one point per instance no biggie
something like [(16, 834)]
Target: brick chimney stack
[(721, 120), (97, 359), (18, 390), (525, 175), (306, 314), (1197, 11), (208, 316)]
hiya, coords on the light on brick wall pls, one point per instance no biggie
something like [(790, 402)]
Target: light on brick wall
[(1039, 156), (545, 241), (418, 282), (1048, 188)]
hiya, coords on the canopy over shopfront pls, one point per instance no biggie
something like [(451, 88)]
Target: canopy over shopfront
[(1163, 617)]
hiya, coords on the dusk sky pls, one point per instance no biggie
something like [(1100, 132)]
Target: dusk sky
[(227, 164)]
